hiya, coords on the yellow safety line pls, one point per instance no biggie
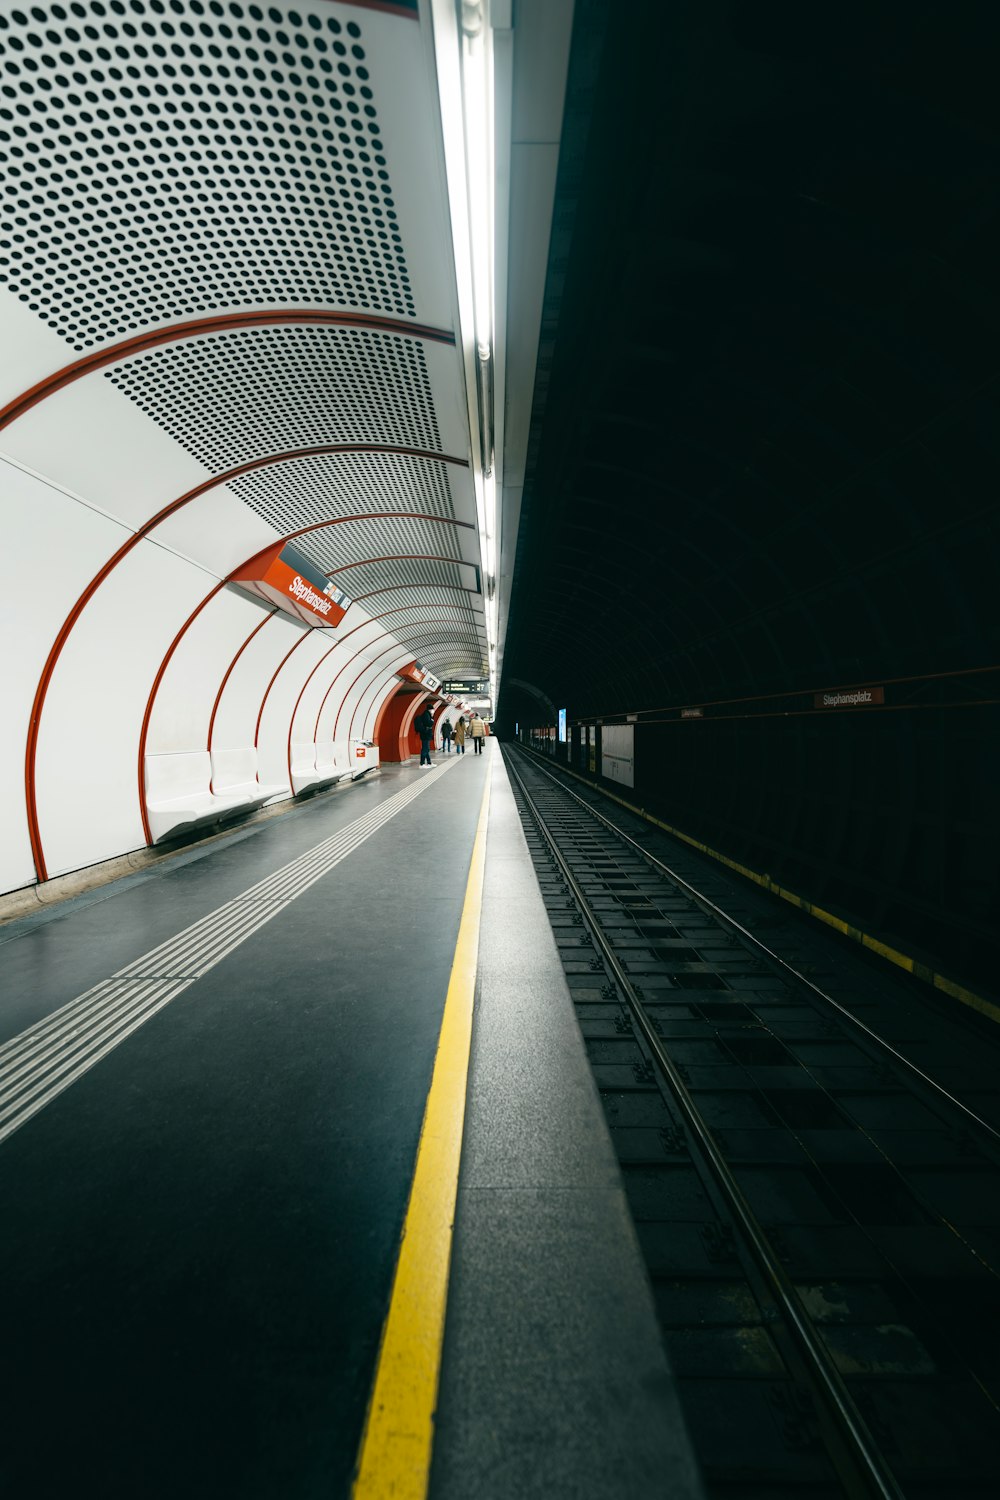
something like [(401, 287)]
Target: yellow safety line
[(394, 1458), (875, 945)]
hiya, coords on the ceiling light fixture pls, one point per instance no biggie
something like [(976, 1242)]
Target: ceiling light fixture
[(464, 48)]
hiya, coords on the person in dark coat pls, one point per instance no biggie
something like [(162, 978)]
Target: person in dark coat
[(424, 725)]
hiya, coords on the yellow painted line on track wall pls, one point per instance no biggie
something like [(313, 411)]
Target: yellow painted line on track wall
[(394, 1458), (892, 955)]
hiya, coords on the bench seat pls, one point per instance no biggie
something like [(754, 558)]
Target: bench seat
[(315, 765), (234, 773), (179, 795)]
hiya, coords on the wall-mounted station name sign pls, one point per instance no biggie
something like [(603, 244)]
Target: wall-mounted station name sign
[(285, 578), (416, 673), (850, 698)]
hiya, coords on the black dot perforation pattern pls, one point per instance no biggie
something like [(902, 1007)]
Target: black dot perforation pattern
[(443, 664), (463, 654), (464, 649), (307, 490), (429, 600), (169, 158), (357, 540), (435, 631), (406, 615), (269, 390), (402, 570)]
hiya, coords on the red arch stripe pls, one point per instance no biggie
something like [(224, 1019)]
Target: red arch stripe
[(56, 649), (175, 333)]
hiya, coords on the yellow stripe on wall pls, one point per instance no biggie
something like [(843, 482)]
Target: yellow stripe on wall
[(394, 1459), (875, 945)]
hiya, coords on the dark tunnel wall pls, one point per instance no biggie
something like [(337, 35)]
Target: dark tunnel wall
[(764, 456)]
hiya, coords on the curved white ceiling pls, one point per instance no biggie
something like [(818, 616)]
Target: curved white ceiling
[(228, 316)]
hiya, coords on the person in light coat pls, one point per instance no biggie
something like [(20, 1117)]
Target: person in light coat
[(478, 731), (459, 736)]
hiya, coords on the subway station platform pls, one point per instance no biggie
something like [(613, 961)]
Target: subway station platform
[(212, 1081)]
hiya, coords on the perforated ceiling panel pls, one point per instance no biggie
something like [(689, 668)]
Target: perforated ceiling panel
[(410, 612), (428, 599), (312, 489), (466, 655), (173, 159), (383, 575), (354, 541), (229, 398)]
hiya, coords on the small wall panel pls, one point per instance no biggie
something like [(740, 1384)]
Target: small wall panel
[(88, 790), (272, 747), (38, 593), (184, 700)]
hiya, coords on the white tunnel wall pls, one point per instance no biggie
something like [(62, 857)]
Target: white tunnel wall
[(383, 653), (336, 680), (87, 774), (239, 704), (88, 802), (34, 515), (328, 676), (371, 700), (113, 410), (183, 706)]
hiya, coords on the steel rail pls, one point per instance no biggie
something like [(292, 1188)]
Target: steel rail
[(864, 1460), (782, 964)]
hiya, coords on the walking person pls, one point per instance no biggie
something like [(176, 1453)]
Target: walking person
[(446, 733), (424, 725), (460, 736), (478, 731)]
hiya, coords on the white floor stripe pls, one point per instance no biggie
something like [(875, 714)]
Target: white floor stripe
[(40, 1063)]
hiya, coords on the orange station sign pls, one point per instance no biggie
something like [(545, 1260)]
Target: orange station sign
[(286, 578), (416, 673)]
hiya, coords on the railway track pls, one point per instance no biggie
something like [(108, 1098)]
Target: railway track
[(817, 1202)]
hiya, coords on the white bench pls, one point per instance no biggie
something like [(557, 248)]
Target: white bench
[(234, 773), (364, 757), (179, 795), (316, 765), (332, 761)]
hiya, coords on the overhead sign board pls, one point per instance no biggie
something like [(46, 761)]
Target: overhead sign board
[(692, 713), (850, 698), (285, 578), (414, 672)]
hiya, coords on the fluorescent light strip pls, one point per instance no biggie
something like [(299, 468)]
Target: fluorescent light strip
[(464, 55)]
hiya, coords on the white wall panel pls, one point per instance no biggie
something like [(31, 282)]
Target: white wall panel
[(37, 595), (343, 668), (95, 441), (31, 349), (373, 672), (88, 790), (382, 688), (217, 531), (239, 705), (272, 749), (618, 753), (183, 706), (353, 682), (444, 369), (402, 77), (314, 690)]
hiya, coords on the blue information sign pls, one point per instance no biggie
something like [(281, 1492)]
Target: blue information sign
[(562, 726)]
